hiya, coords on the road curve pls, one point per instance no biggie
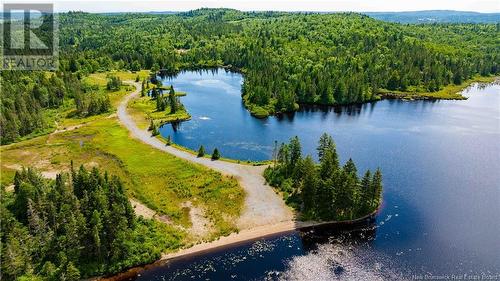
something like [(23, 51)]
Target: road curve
[(262, 205)]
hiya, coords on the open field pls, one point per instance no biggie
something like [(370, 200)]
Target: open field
[(172, 187)]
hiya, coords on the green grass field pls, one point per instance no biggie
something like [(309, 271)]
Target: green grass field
[(159, 180)]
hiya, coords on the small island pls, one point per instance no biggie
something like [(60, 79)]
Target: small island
[(324, 191)]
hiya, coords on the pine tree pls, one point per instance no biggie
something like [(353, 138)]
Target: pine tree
[(215, 154), (350, 169), (201, 151), (309, 184), (329, 164), (325, 144), (364, 204), (156, 131), (95, 233), (295, 154), (158, 103), (376, 187), (152, 125), (173, 100), (344, 195), (16, 254), (70, 273)]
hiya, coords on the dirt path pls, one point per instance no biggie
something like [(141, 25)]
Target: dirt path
[(262, 205)]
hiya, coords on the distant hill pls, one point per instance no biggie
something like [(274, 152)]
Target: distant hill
[(436, 16)]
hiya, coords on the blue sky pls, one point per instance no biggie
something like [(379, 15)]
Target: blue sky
[(278, 5)]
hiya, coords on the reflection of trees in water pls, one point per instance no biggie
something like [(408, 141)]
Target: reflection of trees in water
[(357, 234), (338, 110), (171, 74), (176, 126)]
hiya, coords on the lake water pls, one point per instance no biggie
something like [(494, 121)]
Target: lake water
[(441, 166)]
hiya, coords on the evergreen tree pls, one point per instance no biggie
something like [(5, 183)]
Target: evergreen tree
[(365, 194), (215, 154), (173, 100), (143, 89), (295, 154), (324, 191), (156, 131), (201, 151), (309, 184), (70, 273), (376, 187), (95, 233), (325, 143), (152, 125), (329, 164), (71, 223), (350, 168)]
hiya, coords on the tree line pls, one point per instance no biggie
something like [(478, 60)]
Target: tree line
[(79, 225), (286, 58), (324, 191), (27, 95)]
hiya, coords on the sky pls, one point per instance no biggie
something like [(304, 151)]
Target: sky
[(275, 5)]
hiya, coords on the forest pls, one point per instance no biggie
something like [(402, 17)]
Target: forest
[(76, 226), (324, 191), (287, 58), (81, 224), (28, 98)]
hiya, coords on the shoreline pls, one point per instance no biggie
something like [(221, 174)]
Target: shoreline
[(240, 238), (262, 216)]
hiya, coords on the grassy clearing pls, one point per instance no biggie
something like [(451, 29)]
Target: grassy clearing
[(157, 179), (450, 92), (160, 181), (123, 75), (64, 116)]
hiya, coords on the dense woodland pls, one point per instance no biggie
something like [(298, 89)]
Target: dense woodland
[(77, 226), (27, 97), (82, 224), (24, 96), (287, 58), (324, 191)]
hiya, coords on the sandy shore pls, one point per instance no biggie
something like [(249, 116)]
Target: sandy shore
[(262, 232), (265, 214), (262, 205), (242, 237)]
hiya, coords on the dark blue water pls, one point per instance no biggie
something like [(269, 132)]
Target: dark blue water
[(441, 167)]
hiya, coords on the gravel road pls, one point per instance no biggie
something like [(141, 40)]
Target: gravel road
[(262, 205)]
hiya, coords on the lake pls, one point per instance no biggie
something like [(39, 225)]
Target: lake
[(440, 161)]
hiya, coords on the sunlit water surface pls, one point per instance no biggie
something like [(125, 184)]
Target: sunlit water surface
[(440, 162)]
